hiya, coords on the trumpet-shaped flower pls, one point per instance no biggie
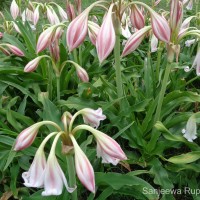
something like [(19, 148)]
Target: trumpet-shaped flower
[(135, 40), (160, 27), (83, 166), (106, 37), (34, 177), (196, 63), (137, 18), (154, 43), (108, 148), (188, 43), (191, 129), (190, 5), (54, 178), (14, 9), (92, 117)]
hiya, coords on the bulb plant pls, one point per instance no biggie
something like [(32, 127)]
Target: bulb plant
[(62, 68)]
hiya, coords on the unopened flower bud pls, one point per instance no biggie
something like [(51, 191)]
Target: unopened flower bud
[(14, 9), (137, 18)]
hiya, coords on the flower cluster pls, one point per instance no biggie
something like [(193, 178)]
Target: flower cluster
[(48, 173)]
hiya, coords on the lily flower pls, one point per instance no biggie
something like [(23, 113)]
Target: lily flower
[(190, 133), (92, 117), (107, 148), (34, 177), (83, 166), (154, 43), (54, 178)]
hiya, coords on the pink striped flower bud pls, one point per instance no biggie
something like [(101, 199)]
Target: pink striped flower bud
[(84, 169), (135, 40), (5, 51), (1, 35), (52, 16), (176, 15), (78, 5), (106, 37), (14, 9), (62, 13), (108, 149), (15, 50), (70, 12), (33, 64), (55, 50), (93, 30), (82, 74), (45, 38), (160, 27), (26, 137), (36, 15), (137, 18), (77, 30)]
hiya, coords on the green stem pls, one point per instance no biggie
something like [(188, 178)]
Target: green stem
[(118, 67), (72, 175), (49, 86), (162, 92), (158, 62), (58, 86)]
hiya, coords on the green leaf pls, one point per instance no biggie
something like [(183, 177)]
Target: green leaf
[(117, 181), (185, 158)]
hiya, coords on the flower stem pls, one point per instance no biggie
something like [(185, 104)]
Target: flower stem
[(162, 92), (118, 67), (49, 86), (72, 174), (58, 86), (158, 61)]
